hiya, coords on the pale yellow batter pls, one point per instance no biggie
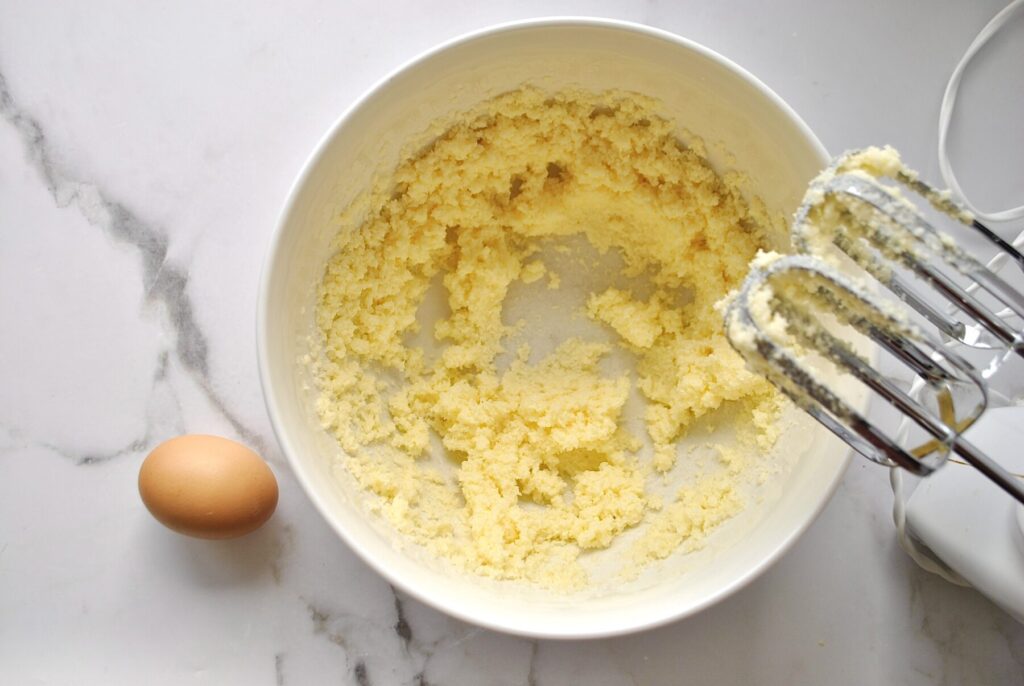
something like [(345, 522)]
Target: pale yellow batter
[(543, 466)]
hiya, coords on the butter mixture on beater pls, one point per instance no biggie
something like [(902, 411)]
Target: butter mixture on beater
[(539, 465)]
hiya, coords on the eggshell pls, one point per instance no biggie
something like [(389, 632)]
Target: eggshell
[(207, 487)]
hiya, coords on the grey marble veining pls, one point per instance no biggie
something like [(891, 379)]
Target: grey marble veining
[(145, 151), (164, 283)]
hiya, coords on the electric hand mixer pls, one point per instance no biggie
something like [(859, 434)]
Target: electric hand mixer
[(796, 315)]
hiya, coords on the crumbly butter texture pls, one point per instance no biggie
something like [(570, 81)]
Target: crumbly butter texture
[(543, 467)]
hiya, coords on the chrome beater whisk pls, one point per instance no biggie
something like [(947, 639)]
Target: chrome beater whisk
[(795, 316)]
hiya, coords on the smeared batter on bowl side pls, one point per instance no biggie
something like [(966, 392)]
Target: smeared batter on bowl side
[(544, 466)]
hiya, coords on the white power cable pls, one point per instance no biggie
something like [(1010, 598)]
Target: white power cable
[(946, 114), (899, 517), (899, 514)]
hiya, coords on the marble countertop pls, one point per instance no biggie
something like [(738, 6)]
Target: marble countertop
[(145, 150)]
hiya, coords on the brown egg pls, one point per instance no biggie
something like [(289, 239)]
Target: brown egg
[(207, 486)]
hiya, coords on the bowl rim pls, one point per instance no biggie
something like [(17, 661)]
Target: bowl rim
[(407, 585)]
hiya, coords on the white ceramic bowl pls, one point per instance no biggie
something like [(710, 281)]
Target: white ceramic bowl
[(706, 93)]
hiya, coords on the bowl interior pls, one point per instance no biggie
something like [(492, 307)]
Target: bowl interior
[(745, 127)]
